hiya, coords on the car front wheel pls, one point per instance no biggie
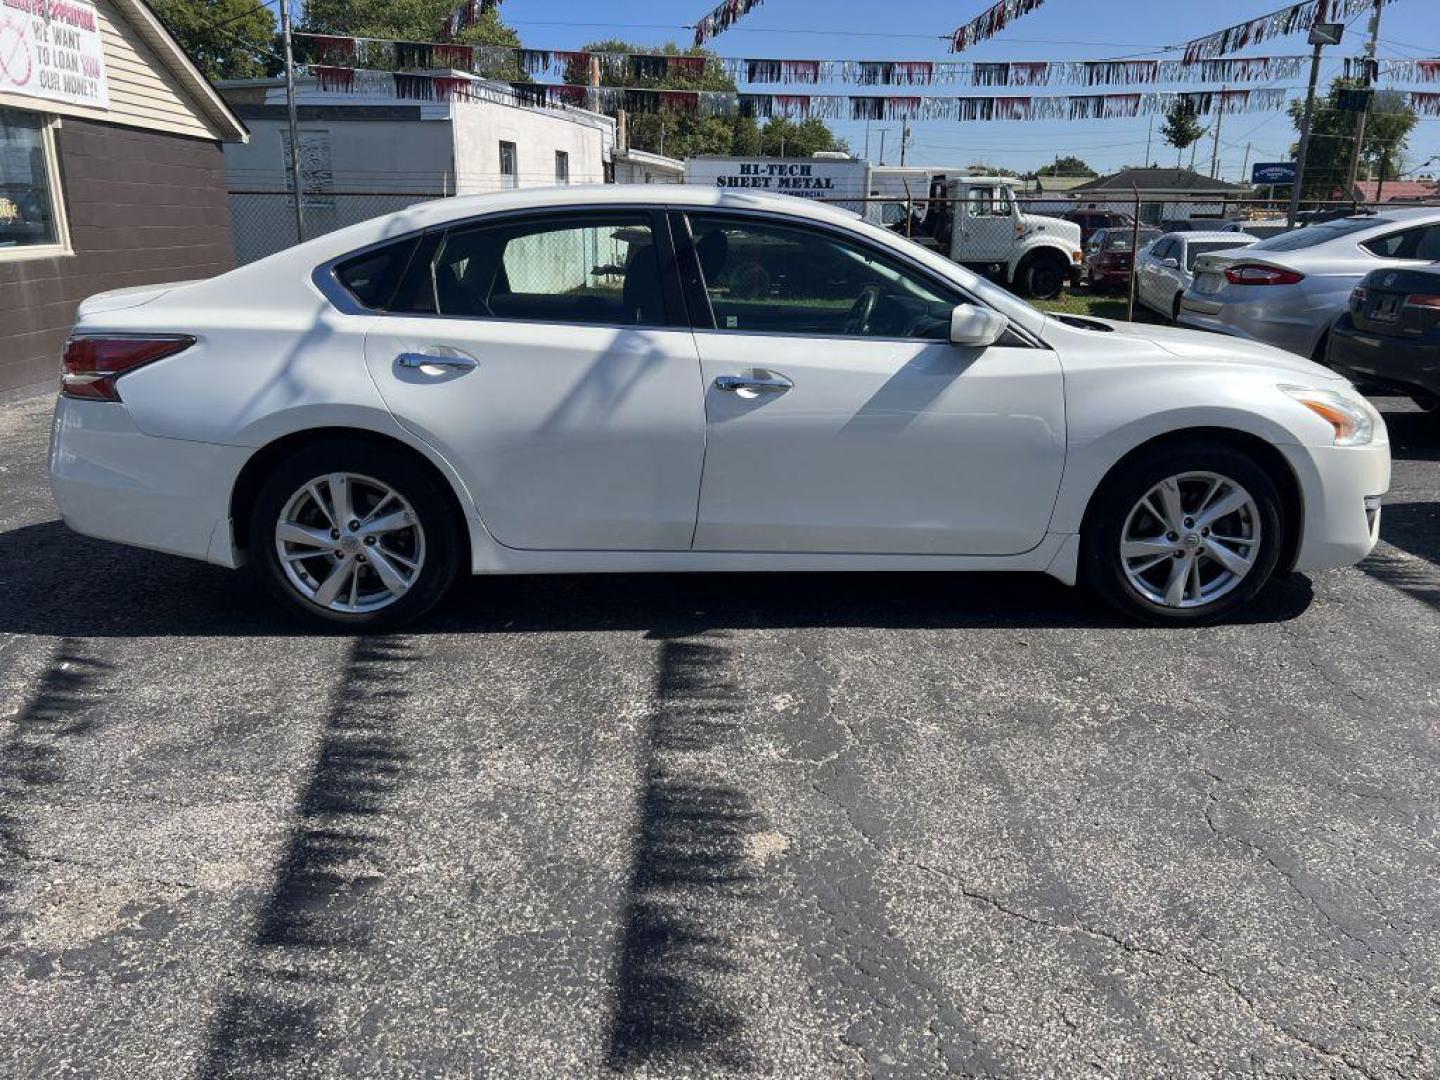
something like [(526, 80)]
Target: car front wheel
[(353, 535), (1187, 535)]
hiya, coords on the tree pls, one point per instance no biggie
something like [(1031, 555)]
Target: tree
[(1182, 126), (1332, 139), (227, 39), (1066, 166), (413, 20), (984, 168), (682, 134)]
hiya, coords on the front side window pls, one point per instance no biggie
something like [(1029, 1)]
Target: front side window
[(600, 269), (772, 278), (509, 166), (29, 201), (562, 167)]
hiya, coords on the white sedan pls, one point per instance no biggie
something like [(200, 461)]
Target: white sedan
[(678, 379), (1166, 268)]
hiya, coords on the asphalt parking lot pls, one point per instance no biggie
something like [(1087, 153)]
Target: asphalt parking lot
[(795, 826)]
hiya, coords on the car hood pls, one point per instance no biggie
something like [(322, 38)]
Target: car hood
[(1222, 349)]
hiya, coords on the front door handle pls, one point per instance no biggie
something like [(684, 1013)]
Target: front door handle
[(444, 357), (750, 385)]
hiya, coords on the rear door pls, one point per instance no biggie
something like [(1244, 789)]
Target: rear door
[(547, 357), (840, 418)]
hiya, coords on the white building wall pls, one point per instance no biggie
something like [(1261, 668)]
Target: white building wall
[(480, 128)]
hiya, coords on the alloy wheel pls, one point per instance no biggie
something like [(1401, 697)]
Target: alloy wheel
[(349, 543), (1190, 540)]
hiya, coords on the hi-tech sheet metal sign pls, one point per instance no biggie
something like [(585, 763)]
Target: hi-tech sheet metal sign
[(52, 49), (810, 178)]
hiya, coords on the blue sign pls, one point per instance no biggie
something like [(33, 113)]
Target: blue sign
[(1275, 172)]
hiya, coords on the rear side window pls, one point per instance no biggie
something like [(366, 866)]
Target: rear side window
[(600, 269), (1419, 243), (1314, 235), (373, 277)]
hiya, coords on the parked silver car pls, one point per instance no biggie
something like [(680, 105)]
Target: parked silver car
[(1287, 290), (1165, 269)]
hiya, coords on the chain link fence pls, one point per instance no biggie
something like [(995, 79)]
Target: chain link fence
[(263, 222)]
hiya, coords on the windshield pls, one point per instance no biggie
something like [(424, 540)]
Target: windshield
[(1312, 235)]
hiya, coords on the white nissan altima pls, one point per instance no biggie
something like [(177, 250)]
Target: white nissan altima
[(678, 379)]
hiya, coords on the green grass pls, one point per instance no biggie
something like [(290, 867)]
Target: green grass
[(1098, 305)]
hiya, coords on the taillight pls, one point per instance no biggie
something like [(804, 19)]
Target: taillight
[(1426, 301), (1255, 274), (92, 364), (1357, 298)]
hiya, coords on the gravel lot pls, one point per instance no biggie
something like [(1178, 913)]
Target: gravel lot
[(796, 826)]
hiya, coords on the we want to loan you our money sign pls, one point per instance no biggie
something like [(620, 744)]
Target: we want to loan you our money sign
[(52, 49)]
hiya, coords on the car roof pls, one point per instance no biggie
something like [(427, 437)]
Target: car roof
[(439, 211)]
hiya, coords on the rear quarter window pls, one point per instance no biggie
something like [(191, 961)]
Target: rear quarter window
[(373, 276)]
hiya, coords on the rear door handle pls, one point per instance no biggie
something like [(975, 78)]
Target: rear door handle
[(441, 357), (750, 385)]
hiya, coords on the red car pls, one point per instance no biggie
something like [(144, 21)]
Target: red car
[(1109, 256)]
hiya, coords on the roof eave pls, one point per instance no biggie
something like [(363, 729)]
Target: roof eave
[(230, 126)]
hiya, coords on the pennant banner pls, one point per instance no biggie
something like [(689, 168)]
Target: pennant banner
[(990, 22), (1296, 18), (1402, 71), (1425, 103), (464, 15), (722, 18), (498, 60), (449, 87)]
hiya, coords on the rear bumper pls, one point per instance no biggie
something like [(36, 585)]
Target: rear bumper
[(1293, 332), (1340, 486), (1407, 365), (114, 482)]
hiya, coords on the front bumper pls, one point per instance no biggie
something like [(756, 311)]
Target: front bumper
[(1407, 365), (1340, 486), (113, 481)]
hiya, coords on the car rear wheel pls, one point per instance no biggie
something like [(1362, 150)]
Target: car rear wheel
[(352, 535), (1175, 309), (1187, 535)]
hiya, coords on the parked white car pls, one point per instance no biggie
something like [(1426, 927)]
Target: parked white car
[(678, 379), (1164, 270), (1286, 291)]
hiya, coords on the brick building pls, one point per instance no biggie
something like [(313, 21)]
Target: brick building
[(111, 171)]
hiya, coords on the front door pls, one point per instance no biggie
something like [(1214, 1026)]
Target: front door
[(841, 419), (555, 373), (987, 225)]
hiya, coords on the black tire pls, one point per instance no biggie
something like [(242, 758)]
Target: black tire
[(1044, 277), (442, 532), (1101, 565), (1175, 309)]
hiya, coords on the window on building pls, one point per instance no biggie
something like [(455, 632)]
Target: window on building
[(772, 278), (30, 215), (562, 167), (596, 269), (509, 167)]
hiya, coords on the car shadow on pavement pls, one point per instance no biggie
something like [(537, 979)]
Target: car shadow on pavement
[(1413, 528), (313, 925), (1414, 436), (691, 878), (128, 592), (31, 754)]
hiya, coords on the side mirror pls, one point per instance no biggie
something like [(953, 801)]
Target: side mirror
[(976, 326), (1170, 264)]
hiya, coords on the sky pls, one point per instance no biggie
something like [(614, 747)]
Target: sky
[(1060, 30)]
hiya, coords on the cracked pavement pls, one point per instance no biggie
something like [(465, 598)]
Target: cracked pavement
[(821, 825)]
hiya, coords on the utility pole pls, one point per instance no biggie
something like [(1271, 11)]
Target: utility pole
[(1245, 165), (882, 146), (294, 120), (1215, 148), (1321, 34), (904, 140), (867, 140), (1149, 131), (1370, 48)]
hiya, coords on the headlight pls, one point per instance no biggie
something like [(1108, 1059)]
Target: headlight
[(1352, 422)]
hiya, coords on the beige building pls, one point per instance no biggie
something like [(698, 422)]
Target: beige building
[(111, 172)]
